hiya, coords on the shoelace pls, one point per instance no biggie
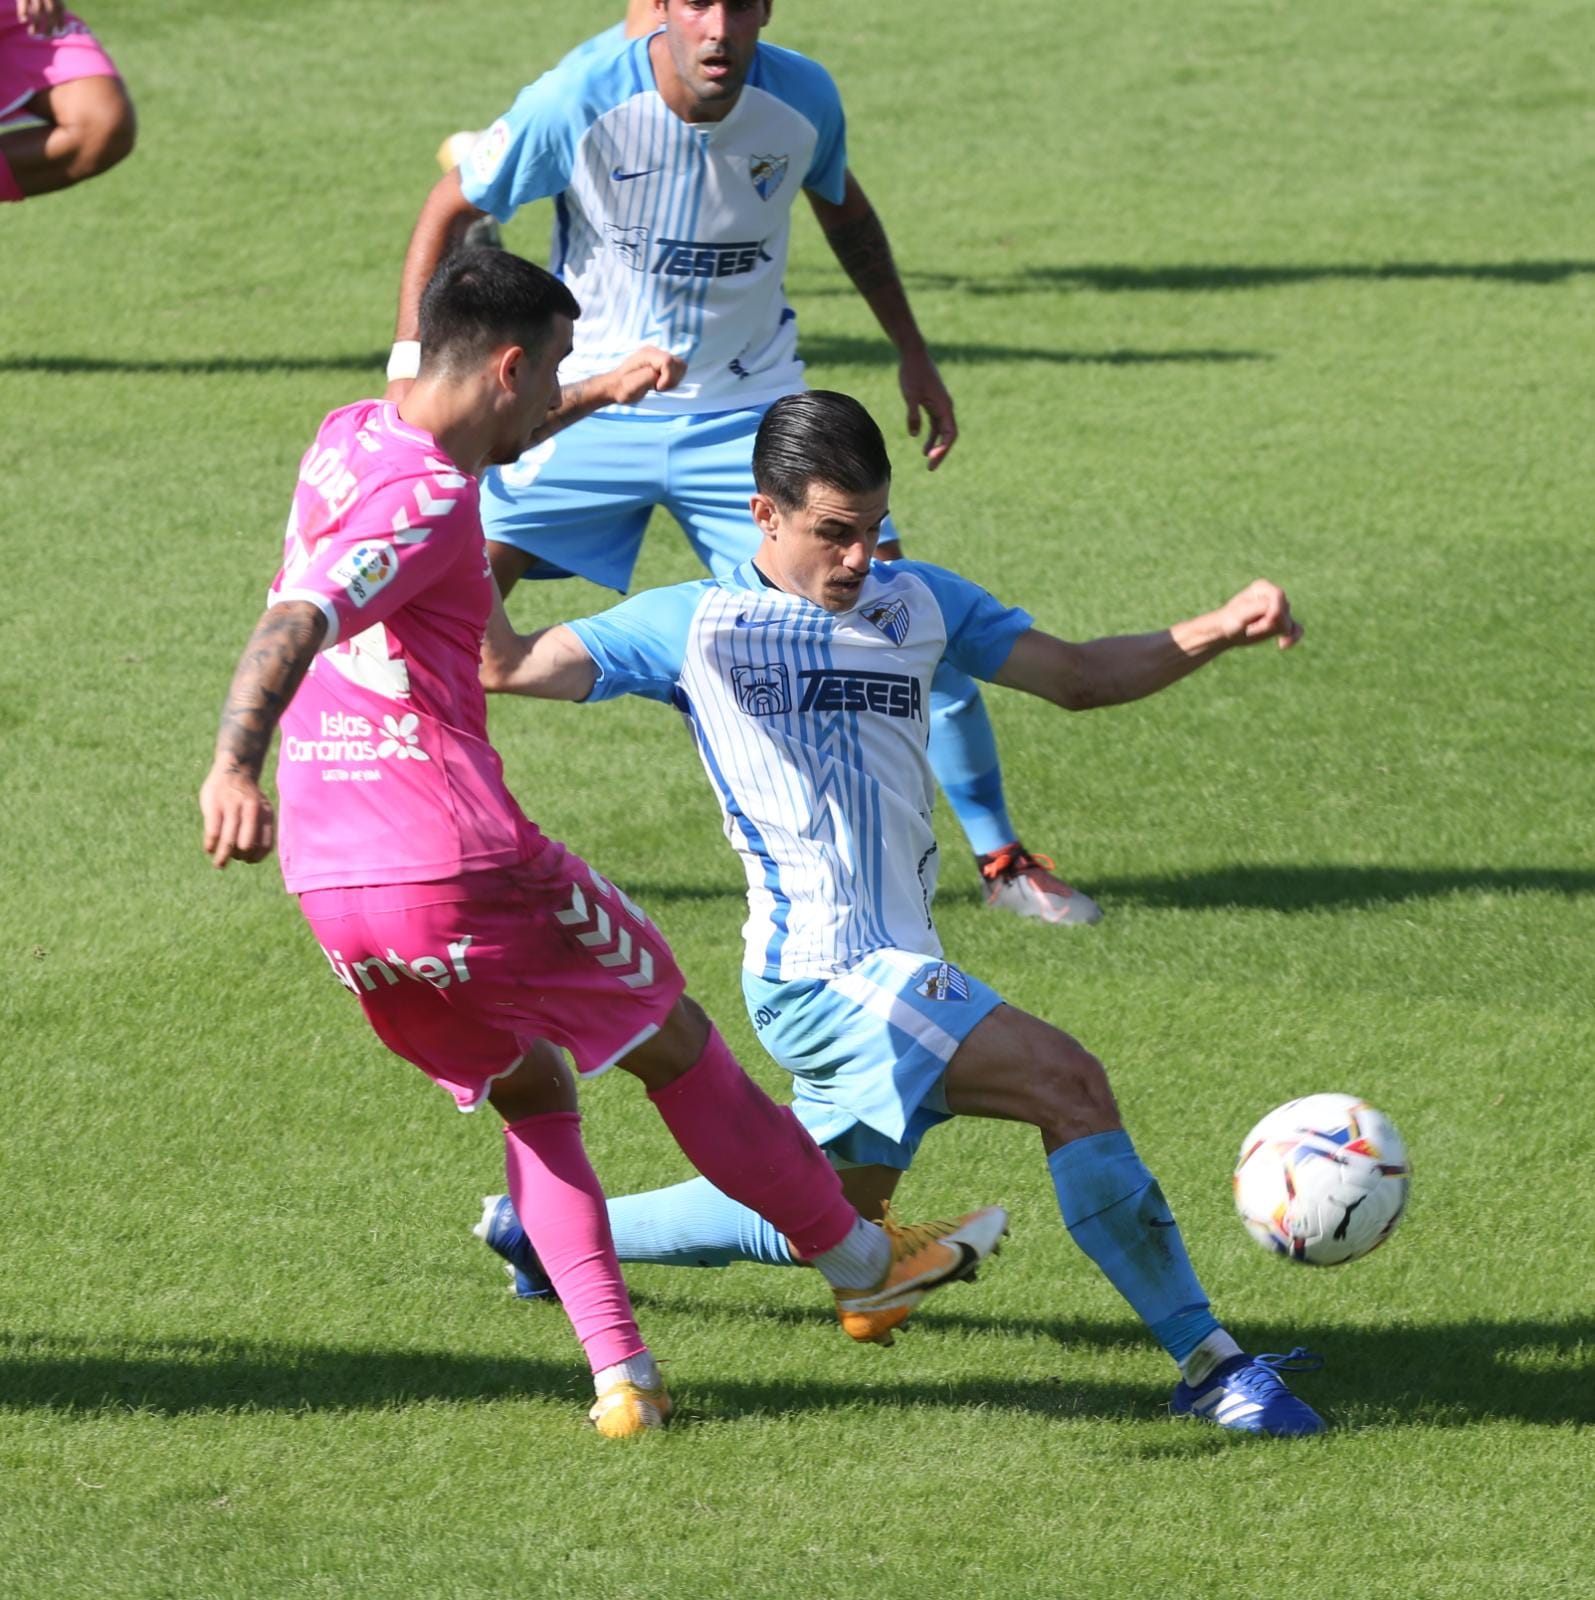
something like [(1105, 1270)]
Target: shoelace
[(907, 1237), (1011, 862), (1301, 1359)]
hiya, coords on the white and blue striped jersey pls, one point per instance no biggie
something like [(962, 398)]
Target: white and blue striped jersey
[(668, 232), (813, 727)]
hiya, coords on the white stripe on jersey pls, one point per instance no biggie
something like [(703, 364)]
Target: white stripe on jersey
[(813, 729)]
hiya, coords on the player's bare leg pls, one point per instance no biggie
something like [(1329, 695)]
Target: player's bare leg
[(88, 126), (1021, 1069)]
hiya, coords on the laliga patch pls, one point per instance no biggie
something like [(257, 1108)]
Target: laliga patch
[(366, 570), (487, 154), (942, 982)]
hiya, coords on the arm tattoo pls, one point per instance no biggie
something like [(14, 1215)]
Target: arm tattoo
[(272, 667), (862, 249)]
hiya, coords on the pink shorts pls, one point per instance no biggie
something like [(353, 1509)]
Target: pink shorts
[(29, 64), (462, 977)]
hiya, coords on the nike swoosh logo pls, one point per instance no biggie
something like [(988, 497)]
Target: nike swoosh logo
[(745, 621), (626, 177)]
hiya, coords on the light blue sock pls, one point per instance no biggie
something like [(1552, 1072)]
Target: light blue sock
[(693, 1225), (1116, 1213), (963, 752)]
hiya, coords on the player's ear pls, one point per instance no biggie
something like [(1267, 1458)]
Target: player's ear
[(509, 367), (766, 514)]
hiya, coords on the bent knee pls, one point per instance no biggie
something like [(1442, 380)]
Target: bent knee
[(95, 126), (1072, 1097), (108, 140)]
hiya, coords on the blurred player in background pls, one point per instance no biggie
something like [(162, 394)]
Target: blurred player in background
[(52, 69), (464, 932), (805, 676), (674, 160)]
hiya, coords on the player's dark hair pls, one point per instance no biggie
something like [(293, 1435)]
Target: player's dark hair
[(818, 436), (478, 300)]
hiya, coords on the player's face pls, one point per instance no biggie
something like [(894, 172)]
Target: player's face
[(530, 390), (711, 44), (822, 550)]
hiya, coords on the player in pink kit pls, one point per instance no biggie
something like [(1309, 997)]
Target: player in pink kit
[(53, 68), (466, 935)]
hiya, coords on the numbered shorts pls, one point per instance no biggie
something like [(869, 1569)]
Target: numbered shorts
[(29, 65), (462, 977), (867, 1050), (580, 502)]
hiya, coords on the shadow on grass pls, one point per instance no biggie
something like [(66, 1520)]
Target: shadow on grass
[(1222, 277), (1325, 888), (371, 361), (1246, 888), (1447, 1374), (843, 350), (823, 349)]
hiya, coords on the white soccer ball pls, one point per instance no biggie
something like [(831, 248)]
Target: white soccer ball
[(1322, 1179)]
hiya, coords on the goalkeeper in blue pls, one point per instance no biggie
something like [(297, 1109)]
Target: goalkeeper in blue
[(805, 676)]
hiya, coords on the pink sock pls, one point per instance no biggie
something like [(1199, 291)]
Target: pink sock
[(562, 1208), (755, 1151), (8, 183)]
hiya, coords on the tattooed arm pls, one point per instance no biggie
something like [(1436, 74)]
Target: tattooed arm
[(239, 824), (858, 241)]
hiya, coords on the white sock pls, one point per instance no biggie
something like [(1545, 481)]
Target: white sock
[(640, 1369), (1212, 1352), (859, 1261)]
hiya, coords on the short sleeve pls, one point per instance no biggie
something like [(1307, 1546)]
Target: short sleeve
[(639, 646), (827, 174), (981, 630), (529, 152), (402, 539), (810, 90)]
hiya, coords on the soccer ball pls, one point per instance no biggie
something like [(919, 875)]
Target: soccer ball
[(1322, 1179)]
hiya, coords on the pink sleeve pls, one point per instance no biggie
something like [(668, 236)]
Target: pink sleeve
[(395, 540)]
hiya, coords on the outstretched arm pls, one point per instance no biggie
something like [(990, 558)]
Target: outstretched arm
[(239, 823), (648, 370), (856, 237), (551, 664), (1110, 672)]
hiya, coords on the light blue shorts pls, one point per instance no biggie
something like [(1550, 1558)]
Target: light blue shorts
[(580, 502), (867, 1050)]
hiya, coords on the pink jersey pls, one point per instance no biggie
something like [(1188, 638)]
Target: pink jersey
[(385, 772), (31, 63)]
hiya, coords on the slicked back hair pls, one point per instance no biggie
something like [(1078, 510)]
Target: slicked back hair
[(818, 436), (480, 300)]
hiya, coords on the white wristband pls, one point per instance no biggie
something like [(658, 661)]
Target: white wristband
[(405, 361)]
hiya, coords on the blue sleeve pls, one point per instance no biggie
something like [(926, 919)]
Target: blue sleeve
[(639, 645), (981, 630), (529, 152), (809, 89)]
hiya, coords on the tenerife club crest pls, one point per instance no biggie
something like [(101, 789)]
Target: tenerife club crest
[(891, 617), (767, 173), (762, 691)]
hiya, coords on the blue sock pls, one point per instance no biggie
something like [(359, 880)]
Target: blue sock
[(693, 1225), (1116, 1213), (963, 752)]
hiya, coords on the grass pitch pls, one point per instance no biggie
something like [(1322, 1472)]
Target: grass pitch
[(1220, 291)]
